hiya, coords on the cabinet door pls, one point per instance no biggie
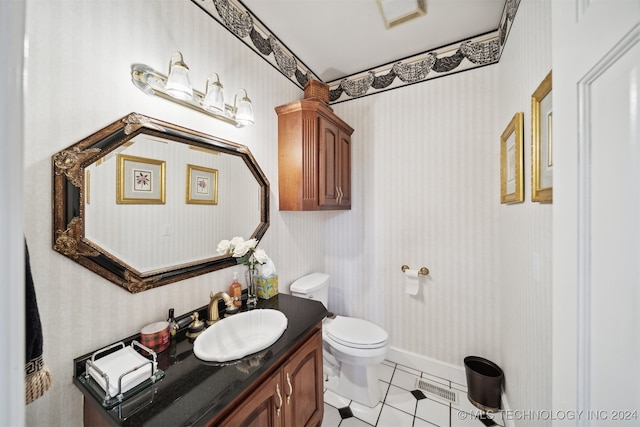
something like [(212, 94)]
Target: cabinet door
[(328, 168), (263, 408), (302, 383), (344, 170)]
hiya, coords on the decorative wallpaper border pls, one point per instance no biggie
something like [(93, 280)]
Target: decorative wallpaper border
[(472, 53)]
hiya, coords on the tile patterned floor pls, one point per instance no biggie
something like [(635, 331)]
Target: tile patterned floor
[(404, 405)]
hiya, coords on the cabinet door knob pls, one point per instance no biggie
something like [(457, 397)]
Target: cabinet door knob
[(290, 389), (279, 406)]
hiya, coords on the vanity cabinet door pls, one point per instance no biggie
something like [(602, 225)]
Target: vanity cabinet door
[(291, 396), (302, 382), (264, 407)]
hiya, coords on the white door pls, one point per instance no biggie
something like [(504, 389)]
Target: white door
[(596, 208), (12, 313)]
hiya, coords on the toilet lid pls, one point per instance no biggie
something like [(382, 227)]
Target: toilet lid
[(356, 333)]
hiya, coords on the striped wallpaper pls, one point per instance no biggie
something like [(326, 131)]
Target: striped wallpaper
[(425, 179)]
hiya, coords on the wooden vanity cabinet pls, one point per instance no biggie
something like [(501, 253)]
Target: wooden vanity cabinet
[(314, 157), (290, 396), (302, 382), (261, 408)]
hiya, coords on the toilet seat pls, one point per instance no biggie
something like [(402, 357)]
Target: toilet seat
[(357, 347), (356, 333)]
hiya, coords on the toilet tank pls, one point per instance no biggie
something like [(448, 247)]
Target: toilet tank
[(313, 286)]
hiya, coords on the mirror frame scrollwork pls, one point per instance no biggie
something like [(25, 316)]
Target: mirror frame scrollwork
[(68, 206)]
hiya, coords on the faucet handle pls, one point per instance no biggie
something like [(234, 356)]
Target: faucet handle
[(196, 327), (231, 307)]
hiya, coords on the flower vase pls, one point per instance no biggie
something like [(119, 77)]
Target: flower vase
[(251, 277)]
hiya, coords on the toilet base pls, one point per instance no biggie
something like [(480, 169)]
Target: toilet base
[(358, 383)]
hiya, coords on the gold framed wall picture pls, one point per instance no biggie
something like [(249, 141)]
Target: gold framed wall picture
[(202, 185), (542, 142), (511, 160), (139, 180)]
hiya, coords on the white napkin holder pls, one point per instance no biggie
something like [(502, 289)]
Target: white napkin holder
[(120, 371)]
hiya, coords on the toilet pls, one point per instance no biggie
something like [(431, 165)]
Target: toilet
[(352, 348)]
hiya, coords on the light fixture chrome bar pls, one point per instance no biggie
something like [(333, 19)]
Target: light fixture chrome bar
[(152, 82)]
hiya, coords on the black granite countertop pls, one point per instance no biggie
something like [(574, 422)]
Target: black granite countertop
[(193, 391)]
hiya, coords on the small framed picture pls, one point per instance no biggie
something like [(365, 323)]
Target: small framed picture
[(202, 185), (139, 180), (542, 142), (511, 180)]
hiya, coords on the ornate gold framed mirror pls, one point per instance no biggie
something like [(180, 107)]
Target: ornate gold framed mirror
[(144, 203)]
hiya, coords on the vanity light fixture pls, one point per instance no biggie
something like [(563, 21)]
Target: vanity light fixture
[(178, 84), (214, 97), (177, 88), (242, 110)]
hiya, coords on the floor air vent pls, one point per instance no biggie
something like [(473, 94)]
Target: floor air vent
[(441, 392)]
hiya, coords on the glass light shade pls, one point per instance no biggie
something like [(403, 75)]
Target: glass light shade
[(214, 98), (244, 111), (178, 82)]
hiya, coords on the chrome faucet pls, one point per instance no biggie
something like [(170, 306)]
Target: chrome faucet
[(212, 312)]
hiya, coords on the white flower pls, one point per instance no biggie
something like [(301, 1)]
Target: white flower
[(261, 256), (236, 241), (245, 252), (224, 247), (243, 248)]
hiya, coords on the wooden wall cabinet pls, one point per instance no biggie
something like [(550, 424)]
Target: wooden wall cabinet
[(314, 157), (290, 396)]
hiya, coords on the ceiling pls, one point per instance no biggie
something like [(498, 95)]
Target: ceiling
[(346, 44), (338, 38)]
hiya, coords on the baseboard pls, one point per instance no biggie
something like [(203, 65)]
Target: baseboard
[(508, 421), (446, 371), (434, 367)]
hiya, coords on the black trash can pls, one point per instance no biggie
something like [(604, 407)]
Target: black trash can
[(484, 383)]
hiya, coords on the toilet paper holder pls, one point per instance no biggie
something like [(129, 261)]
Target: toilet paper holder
[(424, 270)]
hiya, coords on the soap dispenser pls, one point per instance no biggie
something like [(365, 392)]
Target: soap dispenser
[(235, 290)]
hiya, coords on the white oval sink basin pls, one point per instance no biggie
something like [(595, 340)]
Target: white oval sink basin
[(240, 335)]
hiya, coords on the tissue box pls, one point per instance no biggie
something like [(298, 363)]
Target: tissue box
[(267, 286)]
